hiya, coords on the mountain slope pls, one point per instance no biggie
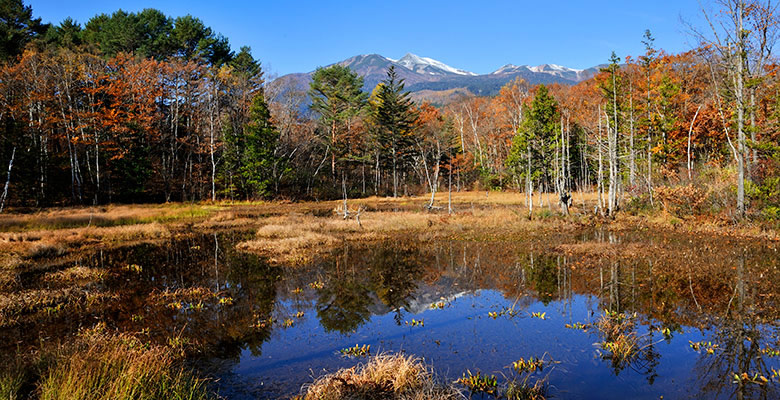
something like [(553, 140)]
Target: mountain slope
[(434, 81)]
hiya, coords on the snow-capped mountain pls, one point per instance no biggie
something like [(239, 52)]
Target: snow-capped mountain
[(437, 82), (572, 74), (429, 66)]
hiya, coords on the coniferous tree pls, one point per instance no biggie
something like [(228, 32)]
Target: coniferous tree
[(252, 154), (338, 98), (394, 119), (17, 28), (533, 146)]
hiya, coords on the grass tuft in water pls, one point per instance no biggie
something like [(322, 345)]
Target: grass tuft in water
[(384, 376)]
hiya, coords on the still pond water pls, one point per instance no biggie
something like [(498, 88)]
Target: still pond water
[(271, 329)]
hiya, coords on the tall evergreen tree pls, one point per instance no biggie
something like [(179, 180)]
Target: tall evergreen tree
[(251, 154), (394, 118), (338, 98), (532, 150), (17, 28)]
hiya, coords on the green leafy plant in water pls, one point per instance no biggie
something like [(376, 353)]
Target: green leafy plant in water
[(288, 323), (356, 351), (316, 285), (225, 301), (297, 291), (479, 383), (415, 322)]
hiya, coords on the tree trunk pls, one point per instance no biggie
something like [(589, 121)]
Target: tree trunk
[(7, 180)]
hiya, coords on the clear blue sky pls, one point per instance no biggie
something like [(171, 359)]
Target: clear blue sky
[(480, 36)]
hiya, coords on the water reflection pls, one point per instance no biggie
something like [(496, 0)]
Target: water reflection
[(269, 326)]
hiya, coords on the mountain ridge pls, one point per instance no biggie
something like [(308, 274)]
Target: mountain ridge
[(434, 81)]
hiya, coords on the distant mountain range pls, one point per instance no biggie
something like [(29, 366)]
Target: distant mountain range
[(431, 80)]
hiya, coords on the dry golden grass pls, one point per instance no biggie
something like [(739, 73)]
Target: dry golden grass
[(384, 376), (76, 273), (294, 239), (112, 215), (47, 244), (102, 366)]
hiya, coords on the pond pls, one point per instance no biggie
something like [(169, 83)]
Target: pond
[(703, 312)]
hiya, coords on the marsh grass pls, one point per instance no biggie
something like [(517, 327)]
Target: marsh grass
[(102, 366), (384, 376)]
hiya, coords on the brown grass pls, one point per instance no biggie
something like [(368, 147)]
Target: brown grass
[(384, 376), (102, 366)]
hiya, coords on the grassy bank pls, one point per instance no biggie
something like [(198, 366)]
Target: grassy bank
[(99, 365)]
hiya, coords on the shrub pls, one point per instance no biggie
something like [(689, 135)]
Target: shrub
[(681, 200)]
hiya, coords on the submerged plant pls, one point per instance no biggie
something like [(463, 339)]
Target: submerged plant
[(316, 285), (356, 351), (479, 383)]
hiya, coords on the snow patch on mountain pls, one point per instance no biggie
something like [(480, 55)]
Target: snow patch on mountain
[(417, 64)]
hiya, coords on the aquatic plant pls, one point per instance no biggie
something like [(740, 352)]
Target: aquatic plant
[(415, 322), (708, 347), (438, 305), (265, 323), (578, 326), (530, 365), (745, 378), (479, 383), (225, 301), (621, 348), (288, 323), (525, 391), (316, 285), (770, 352), (297, 290), (356, 351), (542, 315)]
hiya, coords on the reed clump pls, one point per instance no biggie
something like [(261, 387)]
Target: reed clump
[(385, 376)]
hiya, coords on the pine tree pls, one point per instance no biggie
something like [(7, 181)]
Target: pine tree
[(533, 146), (251, 154), (394, 119), (17, 28), (338, 98)]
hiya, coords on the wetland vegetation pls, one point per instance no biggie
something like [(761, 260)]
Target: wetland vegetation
[(610, 236), (277, 300)]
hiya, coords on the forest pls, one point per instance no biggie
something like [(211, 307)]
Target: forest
[(175, 223), (147, 107)]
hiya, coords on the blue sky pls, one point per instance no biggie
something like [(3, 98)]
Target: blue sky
[(479, 36)]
